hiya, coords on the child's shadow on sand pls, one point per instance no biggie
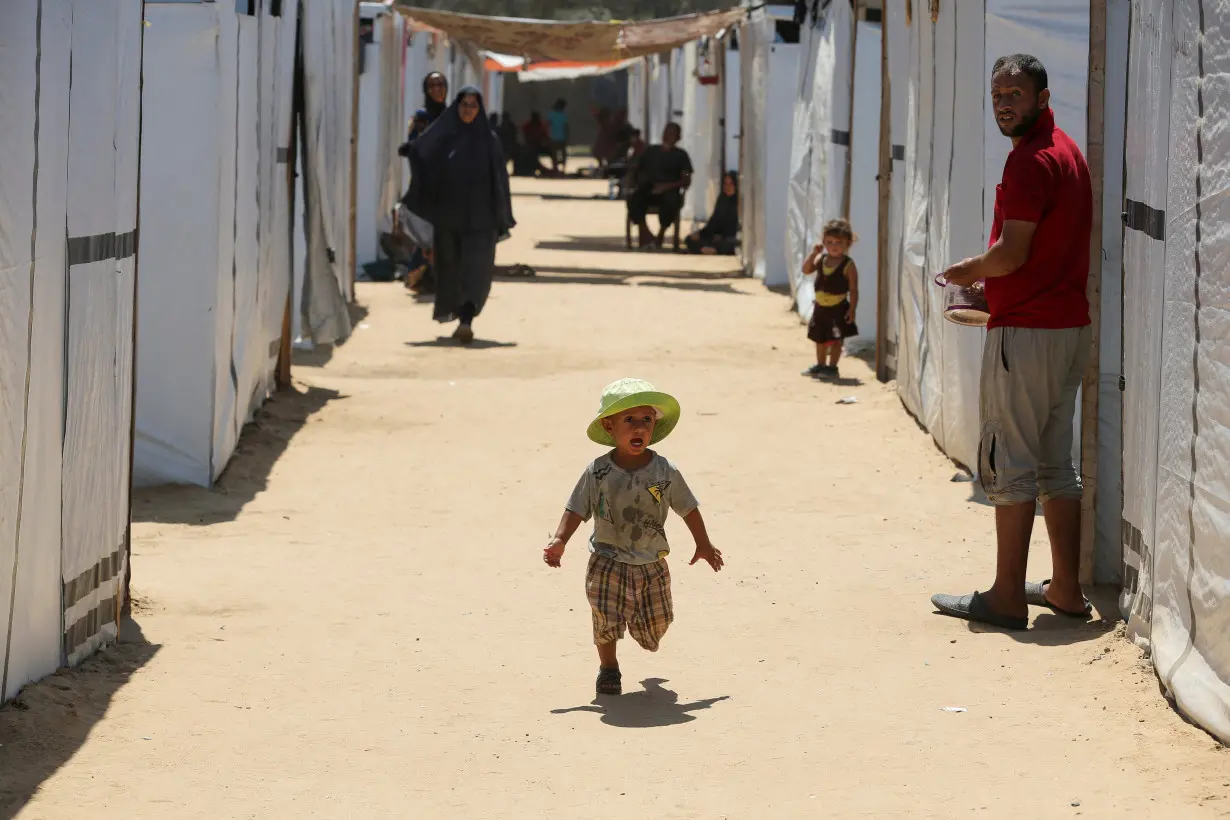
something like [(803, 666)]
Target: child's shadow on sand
[(655, 706)]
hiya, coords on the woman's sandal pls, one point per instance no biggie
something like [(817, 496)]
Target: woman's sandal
[(609, 682)]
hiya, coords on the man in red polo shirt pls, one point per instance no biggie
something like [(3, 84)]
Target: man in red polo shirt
[(1037, 348)]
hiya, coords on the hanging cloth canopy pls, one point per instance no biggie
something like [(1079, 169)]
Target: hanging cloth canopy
[(593, 42)]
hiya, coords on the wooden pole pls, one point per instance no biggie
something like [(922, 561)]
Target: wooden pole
[(1096, 113), (354, 153), (123, 603), (848, 186), (885, 179)]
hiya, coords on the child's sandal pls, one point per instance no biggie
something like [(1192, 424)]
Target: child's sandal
[(609, 682)]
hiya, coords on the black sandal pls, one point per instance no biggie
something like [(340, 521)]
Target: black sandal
[(610, 682)]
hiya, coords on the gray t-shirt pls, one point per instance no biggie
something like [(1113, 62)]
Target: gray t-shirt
[(629, 508)]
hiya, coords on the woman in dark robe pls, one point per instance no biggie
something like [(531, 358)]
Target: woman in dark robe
[(460, 185), (435, 95), (720, 234)]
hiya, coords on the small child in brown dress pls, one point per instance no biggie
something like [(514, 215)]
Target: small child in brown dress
[(832, 318)]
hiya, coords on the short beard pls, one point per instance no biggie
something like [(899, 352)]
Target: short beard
[(1025, 126)]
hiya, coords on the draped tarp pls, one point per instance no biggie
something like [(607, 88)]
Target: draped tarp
[(1176, 434), (591, 42)]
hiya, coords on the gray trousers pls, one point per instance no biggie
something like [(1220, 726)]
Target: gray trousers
[(1030, 379)]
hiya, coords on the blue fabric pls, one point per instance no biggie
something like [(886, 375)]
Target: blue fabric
[(558, 121)]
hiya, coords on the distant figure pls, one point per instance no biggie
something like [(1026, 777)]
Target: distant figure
[(435, 95), (557, 121), (720, 234), (460, 184), (663, 172), (537, 136), (507, 132)]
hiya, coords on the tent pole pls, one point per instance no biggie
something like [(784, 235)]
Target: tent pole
[(885, 179), (123, 604), (1096, 115), (847, 186), (354, 152)]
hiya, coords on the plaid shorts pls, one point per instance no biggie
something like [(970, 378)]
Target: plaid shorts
[(638, 595)]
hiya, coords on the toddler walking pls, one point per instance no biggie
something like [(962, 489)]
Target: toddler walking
[(628, 493), (832, 318)]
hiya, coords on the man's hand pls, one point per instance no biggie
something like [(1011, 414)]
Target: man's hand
[(711, 554), (554, 552), (964, 273)]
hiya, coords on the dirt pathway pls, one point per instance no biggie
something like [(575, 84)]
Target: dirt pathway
[(358, 624)]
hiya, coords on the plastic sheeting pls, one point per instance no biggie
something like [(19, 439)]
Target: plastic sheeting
[(702, 136), (382, 127), (1176, 435), (949, 178), (899, 66), (216, 232), (68, 215), (754, 40)]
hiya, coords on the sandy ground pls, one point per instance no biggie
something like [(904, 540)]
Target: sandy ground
[(357, 623)]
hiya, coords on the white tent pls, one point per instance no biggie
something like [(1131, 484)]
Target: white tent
[(216, 231), (754, 38), (1176, 438), (382, 127), (702, 135), (68, 216)]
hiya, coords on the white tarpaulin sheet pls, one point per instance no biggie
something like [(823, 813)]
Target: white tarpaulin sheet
[(821, 142), (382, 127), (215, 239), (701, 122), (949, 177), (1176, 436), (68, 192), (899, 67), (754, 39)]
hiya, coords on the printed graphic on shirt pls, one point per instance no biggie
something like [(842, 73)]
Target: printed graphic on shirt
[(658, 490), (604, 509)]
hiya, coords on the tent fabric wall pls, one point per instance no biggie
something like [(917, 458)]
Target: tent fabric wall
[(1108, 563), (382, 127), (948, 183), (754, 39), (324, 280), (217, 264), (821, 142), (67, 276), (1176, 439), (701, 136), (899, 79)]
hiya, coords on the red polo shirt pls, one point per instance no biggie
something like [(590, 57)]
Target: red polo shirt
[(1046, 181)]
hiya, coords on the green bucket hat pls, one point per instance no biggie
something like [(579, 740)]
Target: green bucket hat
[(626, 394)]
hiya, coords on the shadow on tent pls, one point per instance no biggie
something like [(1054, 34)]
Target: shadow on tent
[(260, 446), (47, 723), (320, 355)]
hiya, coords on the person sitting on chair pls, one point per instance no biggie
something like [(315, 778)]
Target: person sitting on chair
[(720, 234), (662, 174)]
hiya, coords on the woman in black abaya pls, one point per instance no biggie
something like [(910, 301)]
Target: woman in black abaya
[(460, 185)]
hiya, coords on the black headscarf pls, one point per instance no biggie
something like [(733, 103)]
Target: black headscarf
[(434, 109), (449, 158), (725, 218)]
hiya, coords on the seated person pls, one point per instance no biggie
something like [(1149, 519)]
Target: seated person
[(663, 172), (720, 234)]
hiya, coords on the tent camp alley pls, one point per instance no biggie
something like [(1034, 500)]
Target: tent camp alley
[(271, 540)]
